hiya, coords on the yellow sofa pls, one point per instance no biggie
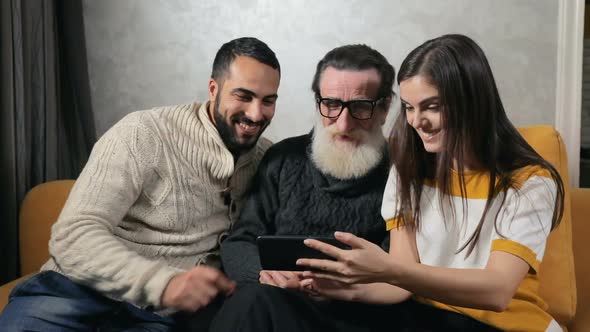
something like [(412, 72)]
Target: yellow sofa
[(563, 284), (39, 210)]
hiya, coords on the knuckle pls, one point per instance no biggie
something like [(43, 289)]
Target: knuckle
[(348, 260), (344, 271)]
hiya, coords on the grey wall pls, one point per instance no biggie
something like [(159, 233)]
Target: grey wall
[(158, 52)]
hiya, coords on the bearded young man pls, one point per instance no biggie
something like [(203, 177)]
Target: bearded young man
[(138, 238), (331, 179)]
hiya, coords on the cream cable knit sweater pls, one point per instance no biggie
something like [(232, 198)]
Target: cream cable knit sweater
[(149, 204)]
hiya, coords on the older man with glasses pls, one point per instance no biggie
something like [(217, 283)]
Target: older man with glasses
[(331, 179)]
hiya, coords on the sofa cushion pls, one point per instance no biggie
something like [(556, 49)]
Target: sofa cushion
[(7, 288), (557, 274)]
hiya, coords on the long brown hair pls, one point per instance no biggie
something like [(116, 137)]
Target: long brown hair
[(475, 122)]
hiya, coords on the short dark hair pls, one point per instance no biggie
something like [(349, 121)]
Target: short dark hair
[(244, 46), (357, 57)]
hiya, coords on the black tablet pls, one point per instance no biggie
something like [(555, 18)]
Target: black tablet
[(280, 252)]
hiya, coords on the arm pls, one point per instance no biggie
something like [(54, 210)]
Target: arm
[(525, 220), (490, 288), (239, 252), (83, 245), (403, 248)]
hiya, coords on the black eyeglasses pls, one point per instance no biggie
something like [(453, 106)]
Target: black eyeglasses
[(360, 109)]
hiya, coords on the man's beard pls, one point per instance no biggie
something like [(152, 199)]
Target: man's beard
[(346, 161), (227, 131)]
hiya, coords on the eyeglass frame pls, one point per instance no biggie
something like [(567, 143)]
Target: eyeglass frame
[(346, 104)]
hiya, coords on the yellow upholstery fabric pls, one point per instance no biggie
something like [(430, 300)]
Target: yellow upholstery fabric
[(557, 273), (7, 288), (39, 210), (581, 236)]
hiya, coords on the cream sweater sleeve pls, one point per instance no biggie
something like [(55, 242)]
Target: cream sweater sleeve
[(83, 244)]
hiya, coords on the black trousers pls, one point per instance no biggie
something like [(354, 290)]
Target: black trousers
[(197, 321), (256, 307)]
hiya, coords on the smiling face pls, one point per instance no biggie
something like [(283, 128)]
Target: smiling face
[(243, 104), (422, 106)]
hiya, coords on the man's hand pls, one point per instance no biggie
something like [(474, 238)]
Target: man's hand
[(196, 288), (282, 279)]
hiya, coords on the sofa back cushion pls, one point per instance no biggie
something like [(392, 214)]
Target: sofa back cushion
[(556, 275)]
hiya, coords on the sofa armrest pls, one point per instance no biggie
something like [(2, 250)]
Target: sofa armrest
[(7, 288), (580, 208)]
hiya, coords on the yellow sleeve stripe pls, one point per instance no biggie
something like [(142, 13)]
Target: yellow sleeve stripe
[(392, 223), (517, 249)]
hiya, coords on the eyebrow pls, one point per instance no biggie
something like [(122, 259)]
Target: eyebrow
[(347, 101), (425, 101), (251, 93)]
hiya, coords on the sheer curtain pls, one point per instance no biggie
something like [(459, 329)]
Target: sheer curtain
[(46, 122)]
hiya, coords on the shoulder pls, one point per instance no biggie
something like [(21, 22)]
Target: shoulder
[(392, 177), (286, 152), (262, 146), (171, 117), (533, 172), (292, 146), (533, 191), (534, 180), (139, 131)]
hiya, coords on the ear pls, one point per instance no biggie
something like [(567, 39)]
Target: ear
[(386, 107), (213, 90), (387, 103)]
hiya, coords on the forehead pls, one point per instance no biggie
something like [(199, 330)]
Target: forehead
[(349, 84), (248, 73), (417, 88)]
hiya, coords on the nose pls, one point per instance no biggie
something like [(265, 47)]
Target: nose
[(415, 119), (345, 121), (254, 111)]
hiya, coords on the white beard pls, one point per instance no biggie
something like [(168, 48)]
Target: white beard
[(346, 161)]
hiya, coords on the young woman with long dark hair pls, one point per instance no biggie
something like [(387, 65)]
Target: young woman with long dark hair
[(468, 202)]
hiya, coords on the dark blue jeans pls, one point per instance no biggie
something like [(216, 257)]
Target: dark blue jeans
[(49, 301)]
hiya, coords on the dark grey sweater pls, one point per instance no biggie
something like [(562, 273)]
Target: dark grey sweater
[(290, 196)]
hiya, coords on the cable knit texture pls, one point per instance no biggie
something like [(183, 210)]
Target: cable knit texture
[(149, 204), (292, 197)]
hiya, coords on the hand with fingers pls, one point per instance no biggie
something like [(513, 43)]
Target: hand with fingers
[(282, 279), (196, 288), (366, 262), (323, 289)]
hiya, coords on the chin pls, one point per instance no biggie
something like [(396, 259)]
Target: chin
[(432, 149), (346, 159), (248, 144)]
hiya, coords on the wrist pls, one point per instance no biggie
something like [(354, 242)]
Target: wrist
[(394, 271), (358, 293)]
